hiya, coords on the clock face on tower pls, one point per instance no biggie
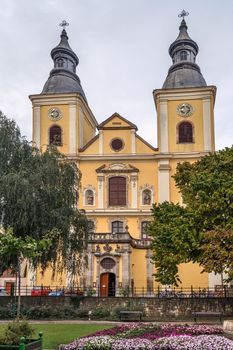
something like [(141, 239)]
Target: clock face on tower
[(54, 114), (184, 110)]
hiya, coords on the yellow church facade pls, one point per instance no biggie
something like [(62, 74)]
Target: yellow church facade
[(122, 174)]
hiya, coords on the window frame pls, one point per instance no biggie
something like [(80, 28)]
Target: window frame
[(57, 144), (144, 225), (118, 223), (117, 192), (181, 140)]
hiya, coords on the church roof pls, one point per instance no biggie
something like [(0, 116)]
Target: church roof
[(63, 77), (184, 72)]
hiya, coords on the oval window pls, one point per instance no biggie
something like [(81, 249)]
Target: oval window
[(107, 263)]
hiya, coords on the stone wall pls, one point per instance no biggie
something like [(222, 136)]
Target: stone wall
[(162, 308), (153, 308)]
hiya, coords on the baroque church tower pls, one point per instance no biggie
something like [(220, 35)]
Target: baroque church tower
[(122, 174), (185, 110), (61, 114)]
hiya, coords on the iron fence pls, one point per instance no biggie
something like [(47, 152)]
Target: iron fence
[(158, 292)]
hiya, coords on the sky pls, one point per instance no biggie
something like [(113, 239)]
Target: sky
[(122, 46)]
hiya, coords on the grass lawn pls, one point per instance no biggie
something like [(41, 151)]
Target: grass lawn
[(56, 334)]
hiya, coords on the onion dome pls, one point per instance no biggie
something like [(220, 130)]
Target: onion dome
[(63, 77), (184, 72)]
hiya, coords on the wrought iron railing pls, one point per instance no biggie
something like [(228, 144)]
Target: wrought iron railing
[(118, 238), (127, 291)]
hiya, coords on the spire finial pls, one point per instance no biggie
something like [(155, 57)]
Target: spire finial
[(183, 14), (64, 24)]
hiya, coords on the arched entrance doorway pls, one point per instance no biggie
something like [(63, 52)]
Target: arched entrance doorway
[(107, 284)]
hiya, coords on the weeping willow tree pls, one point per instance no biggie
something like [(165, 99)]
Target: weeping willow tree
[(38, 203)]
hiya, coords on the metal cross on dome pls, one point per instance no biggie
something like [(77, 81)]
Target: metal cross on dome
[(64, 24), (183, 14)]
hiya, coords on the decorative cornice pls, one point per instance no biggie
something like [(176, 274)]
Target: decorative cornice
[(124, 169)]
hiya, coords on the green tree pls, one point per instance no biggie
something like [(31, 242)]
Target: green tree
[(38, 196), (188, 233)]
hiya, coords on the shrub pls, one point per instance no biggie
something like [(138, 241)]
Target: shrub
[(99, 313), (15, 330), (82, 313)]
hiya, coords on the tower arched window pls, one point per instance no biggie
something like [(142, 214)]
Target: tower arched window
[(117, 191), (183, 56), (117, 227), (55, 135), (89, 197), (146, 197), (185, 132)]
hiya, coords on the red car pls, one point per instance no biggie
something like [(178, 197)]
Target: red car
[(40, 291)]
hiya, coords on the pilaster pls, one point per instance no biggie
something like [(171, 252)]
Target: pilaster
[(207, 132), (163, 181), (163, 127), (72, 128), (36, 125), (134, 190), (100, 192)]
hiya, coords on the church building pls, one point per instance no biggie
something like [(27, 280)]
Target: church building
[(122, 174)]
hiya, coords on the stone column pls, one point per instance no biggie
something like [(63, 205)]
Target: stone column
[(149, 272), (89, 269), (126, 266), (98, 274)]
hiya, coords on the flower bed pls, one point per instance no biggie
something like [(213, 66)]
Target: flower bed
[(142, 336)]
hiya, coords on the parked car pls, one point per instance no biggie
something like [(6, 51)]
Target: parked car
[(3, 292), (73, 292), (56, 293), (40, 291)]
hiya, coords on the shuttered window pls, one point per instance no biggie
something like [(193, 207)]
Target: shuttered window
[(185, 132), (117, 191)]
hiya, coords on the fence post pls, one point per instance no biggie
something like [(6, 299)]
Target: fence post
[(225, 291), (22, 343), (158, 291), (41, 339), (191, 291)]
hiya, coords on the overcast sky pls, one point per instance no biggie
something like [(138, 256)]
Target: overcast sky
[(123, 50)]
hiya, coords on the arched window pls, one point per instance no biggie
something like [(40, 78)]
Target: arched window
[(117, 227), (89, 197), (146, 197), (144, 225), (185, 132), (117, 191), (55, 135), (183, 55)]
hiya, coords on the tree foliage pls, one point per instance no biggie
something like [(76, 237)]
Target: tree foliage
[(38, 196), (201, 230)]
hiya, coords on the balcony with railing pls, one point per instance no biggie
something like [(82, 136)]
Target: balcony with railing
[(118, 238)]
